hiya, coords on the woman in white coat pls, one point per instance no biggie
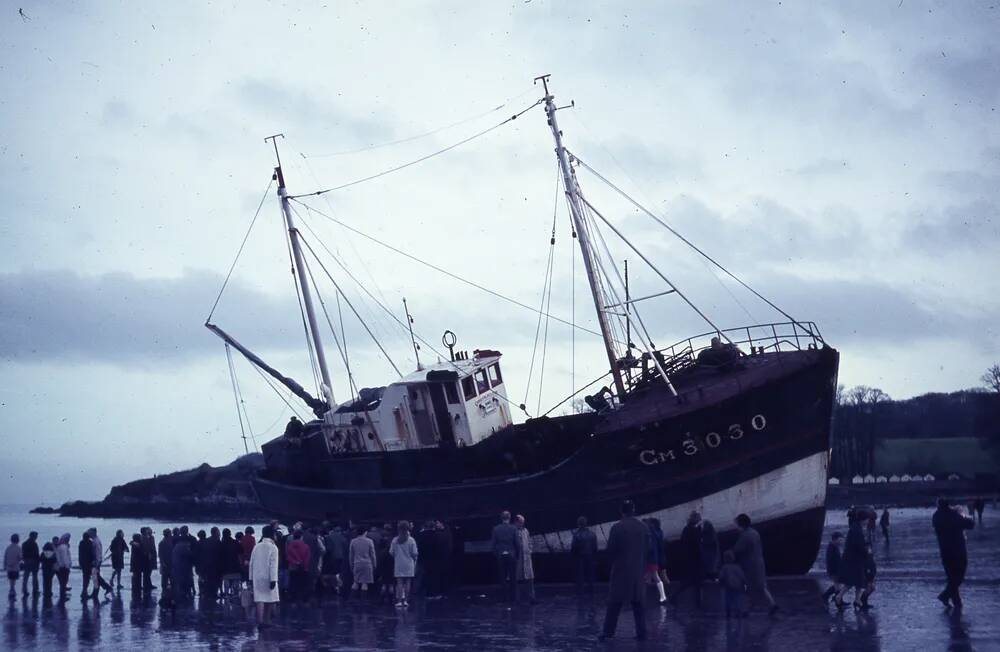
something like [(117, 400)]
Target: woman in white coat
[(264, 576), (404, 555), (525, 570)]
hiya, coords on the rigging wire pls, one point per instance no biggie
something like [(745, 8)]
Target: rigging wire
[(546, 291), (693, 246), (270, 384), (548, 305), (400, 322), (423, 135), (545, 336), (239, 251), (349, 304), (302, 312), (593, 382), (361, 259), (243, 404), (333, 331), (654, 268), (422, 158), (236, 397), (438, 269), (579, 119)]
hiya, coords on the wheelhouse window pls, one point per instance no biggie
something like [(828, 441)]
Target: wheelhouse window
[(469, 388), (482, 382), (451, 393), (495, 377)]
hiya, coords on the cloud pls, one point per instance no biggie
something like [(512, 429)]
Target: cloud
[(973, 226), (121, 318), (288, 105), (822, 166)]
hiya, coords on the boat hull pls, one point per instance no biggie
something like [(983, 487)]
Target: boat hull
[(754, 442)]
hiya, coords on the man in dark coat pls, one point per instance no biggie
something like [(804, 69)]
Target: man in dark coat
[(692, 570), (950, 526), (165, 554), (209, 564), (30, 559), (149, 551), (446, 551), (85, 558), (506, 545), (749, 553), (430, 562), (584, 549), (626, 550)]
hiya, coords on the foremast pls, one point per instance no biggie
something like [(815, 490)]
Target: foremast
[(301, 273), (583, 237)]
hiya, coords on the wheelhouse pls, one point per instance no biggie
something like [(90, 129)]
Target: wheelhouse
[(456, 403)]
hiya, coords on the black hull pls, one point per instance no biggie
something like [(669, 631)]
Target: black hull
[(725, 445), (790, 545)]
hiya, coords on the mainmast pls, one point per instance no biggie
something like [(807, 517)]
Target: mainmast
[(293, 235), (582, 233)]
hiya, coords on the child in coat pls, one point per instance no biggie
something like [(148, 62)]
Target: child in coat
[(734, 582)]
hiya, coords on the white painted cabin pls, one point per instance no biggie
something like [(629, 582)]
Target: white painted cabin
[(460, 403)]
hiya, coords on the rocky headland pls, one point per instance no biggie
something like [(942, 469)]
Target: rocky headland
[(207, 492)]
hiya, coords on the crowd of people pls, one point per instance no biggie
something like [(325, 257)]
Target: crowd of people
[(636, 552), (391, 562), (850, 560)]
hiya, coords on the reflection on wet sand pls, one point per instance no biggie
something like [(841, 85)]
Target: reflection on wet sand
[(905, 616)]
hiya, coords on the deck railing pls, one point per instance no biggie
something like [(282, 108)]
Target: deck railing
[(750, 340)]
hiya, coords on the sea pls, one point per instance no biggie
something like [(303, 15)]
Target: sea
[(905, 614)]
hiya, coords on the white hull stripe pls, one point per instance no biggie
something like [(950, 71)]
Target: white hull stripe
[(794, 488)]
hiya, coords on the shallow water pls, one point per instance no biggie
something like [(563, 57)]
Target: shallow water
[(905, 616)]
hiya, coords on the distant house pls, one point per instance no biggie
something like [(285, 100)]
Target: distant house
[(833, 481), (893, 478), (869, 479), (905, 478), (881, 478), (857, 479)]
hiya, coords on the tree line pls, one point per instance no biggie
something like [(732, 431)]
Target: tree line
[(865, 415)]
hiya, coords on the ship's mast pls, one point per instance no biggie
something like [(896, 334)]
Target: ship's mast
[(576, 210), (293, 236)]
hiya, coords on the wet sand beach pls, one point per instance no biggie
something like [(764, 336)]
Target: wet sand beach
[(905, 616)]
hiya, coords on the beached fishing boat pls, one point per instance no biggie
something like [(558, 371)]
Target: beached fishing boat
[(730, 421)]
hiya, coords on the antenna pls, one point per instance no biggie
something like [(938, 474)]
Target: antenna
[(413, 339), (278, 174), (449, 339)]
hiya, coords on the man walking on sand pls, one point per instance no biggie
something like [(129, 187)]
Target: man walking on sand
[(750, 554), (627, 555), (950, 525)]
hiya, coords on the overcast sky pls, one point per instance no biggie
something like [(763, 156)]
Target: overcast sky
[(843, 157)]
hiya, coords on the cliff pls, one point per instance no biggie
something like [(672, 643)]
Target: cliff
[(202, 492)]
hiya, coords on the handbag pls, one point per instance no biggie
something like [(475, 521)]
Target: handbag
[(246, 596)]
